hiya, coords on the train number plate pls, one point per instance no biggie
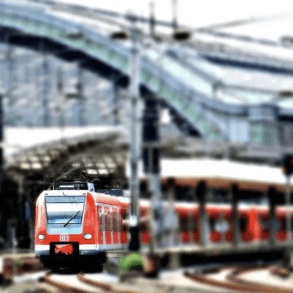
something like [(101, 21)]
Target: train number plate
[(64, 238)]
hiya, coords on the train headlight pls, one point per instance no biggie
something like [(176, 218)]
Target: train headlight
[(87, 236), (41, 236)]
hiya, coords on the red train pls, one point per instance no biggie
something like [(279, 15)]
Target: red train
[(74, 224)]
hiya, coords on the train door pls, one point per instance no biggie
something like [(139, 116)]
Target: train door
[(101, 231)]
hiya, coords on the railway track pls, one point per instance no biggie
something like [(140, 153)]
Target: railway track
[(228, 279), (234, 279), (80, 283)]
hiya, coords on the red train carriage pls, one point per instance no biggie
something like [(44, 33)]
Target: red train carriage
[(77, 225)]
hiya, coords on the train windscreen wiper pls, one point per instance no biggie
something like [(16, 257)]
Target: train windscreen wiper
[(72, 218)]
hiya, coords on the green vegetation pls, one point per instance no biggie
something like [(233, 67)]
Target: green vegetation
[(129, 261)]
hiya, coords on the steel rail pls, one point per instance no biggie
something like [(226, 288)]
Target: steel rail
[(234, 277), (238, 284), (63, 286)]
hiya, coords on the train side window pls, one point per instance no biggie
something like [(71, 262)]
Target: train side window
[(115, 221), (212, 222), (191, 222), (183, 224), (101, 218), (243, 224), (111, 220), (265, 224), (107, 214), (118, 220), (284, 224), (196, 224), (124, 221), (276, 225)]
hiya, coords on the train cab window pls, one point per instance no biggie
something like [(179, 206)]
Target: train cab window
[(65, 210)]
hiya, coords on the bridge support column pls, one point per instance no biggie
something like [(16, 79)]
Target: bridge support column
[(203, 219), (151, 160), (171, 226), (80, 87), (11, 63), (1, 172), (235, 215), (135, 151), (272, 195), (45, 91)]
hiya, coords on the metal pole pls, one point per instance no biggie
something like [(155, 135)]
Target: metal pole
[(61, 102), (10, 72), (45, 90), (288, 195), (135, 149), (80, 87), (115, 103), (174, 8)]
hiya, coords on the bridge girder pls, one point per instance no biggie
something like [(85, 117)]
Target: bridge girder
[(95, 52)]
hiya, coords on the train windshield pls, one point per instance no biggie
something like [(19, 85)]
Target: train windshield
[(64, 210)]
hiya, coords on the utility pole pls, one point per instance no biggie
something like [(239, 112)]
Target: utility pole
[(288, 202), (288, 171), (135, 149), (80, 88), (45, 90), (10, 62), (174, 9)]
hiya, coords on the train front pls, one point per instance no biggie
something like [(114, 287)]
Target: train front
[(64, 228)]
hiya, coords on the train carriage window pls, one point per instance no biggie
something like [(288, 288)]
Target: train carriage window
[(265, 223), (107, 215), (212, 223), (101, 218), (284, 224), (124, 221), (183, 223), (111, 220), (115, 221), (243, 224), (118, 219), (191, 222), (196, 224), (276, 225)]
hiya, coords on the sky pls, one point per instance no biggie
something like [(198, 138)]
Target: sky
[(196, 13)]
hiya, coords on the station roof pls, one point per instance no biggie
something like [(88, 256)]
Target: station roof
[(221, 173)]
